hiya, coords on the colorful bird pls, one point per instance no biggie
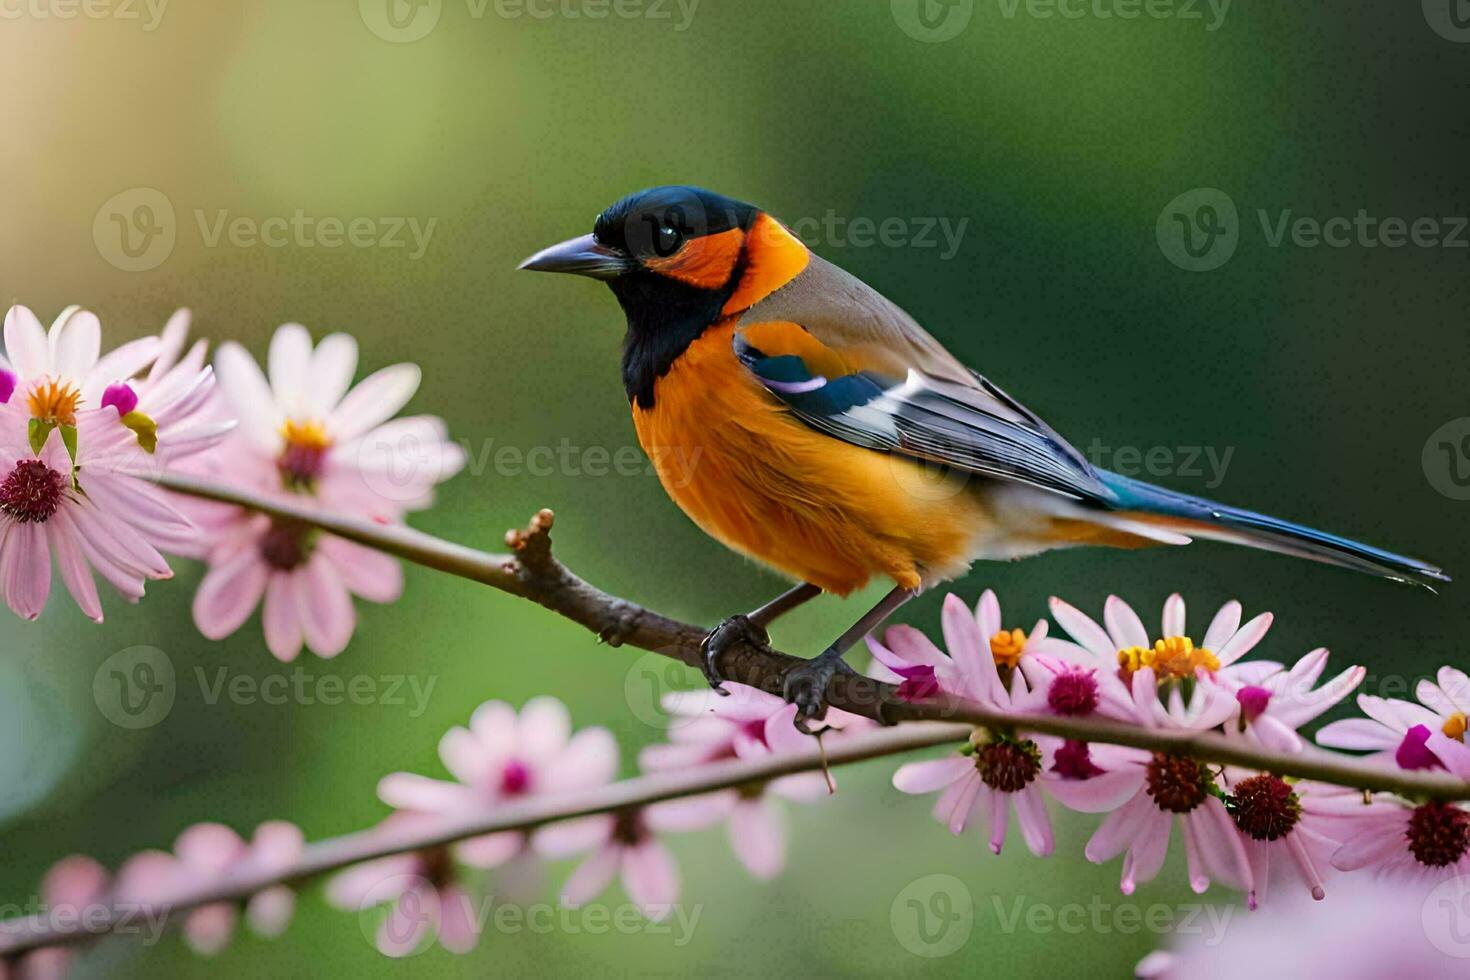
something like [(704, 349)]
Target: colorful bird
[(802, 419)]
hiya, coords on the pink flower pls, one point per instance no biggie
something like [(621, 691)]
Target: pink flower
[(72, 486), (1284, 836), (748, 724), (994, 773), (1271, 710), (1167, 786), (205, 854), (1404, 733), (622, 845), (1369, 929), (503, 757), (426, 899), (304, 433), (71, 890)]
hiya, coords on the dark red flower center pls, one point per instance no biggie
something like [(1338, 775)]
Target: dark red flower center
[(1008, 766), (286, 545), (1265, 807), (1073, 692), (1439, 834), (1176, 782), (1074, 761), (32, 492), (514, 778)]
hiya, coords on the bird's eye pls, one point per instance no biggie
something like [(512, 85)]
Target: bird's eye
[(669, 239)]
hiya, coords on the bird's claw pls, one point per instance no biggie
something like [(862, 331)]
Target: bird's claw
[(806, 687), (735, 631)]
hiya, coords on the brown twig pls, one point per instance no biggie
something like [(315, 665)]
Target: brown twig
[(20, 935), (534, 573)]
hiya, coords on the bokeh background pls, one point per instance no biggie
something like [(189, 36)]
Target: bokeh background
[(1054, 143)]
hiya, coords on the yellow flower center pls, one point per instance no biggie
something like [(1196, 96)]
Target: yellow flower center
[(1172, 658), (1006, 647), (1455, 725), (55, 402), (304, 457)]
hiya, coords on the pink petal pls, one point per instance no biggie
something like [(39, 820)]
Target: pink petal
[(1100, 794), (332, 367), (931, 775), (1119, 828), (366, 572), (1373, 846), (692, 812), (651, 879), (1173, 620), (269, 912), (1146, 855), (25, 344), (327, 616), (1245, 639), (413, 918), (1034, 820), (375, 399), (75, 572), (1123, 624), (1223, 626), (459, 927), (963, 640), (288, 364), (1081, 628), (758, 837), (229, 593), (280, 619), (410, 791), (569, 837), (25, 568), (592, 876), (208, 929), (542, 730), (1357, 733), (490, 850)]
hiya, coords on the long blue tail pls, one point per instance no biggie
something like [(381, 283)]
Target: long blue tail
[(1206, 519)]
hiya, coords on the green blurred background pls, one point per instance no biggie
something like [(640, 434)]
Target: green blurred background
[(1058, 141)]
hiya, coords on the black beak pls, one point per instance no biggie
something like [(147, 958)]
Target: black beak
[(581, 257)]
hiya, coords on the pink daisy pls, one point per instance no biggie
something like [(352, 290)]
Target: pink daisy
[(1283, 836), (995, 772), (71, 890), (304, 433), (1271, 710), (622, 845), (502, 757), (72, 478), (426, 900), (206, 852), (1167, 786), (748, 724), (1401, 732)]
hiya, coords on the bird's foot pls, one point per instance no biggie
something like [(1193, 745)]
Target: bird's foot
[(733, 632), (806, 686)]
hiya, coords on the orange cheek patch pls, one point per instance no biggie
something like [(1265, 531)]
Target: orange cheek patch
[(773, 257), (705, 262)]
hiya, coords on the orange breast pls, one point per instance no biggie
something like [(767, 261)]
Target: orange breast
[(811, 506)]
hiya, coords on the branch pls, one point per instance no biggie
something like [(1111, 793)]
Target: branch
[(20, 935), (532, 572)]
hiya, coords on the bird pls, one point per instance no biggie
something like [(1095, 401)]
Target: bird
[(802, 419)]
